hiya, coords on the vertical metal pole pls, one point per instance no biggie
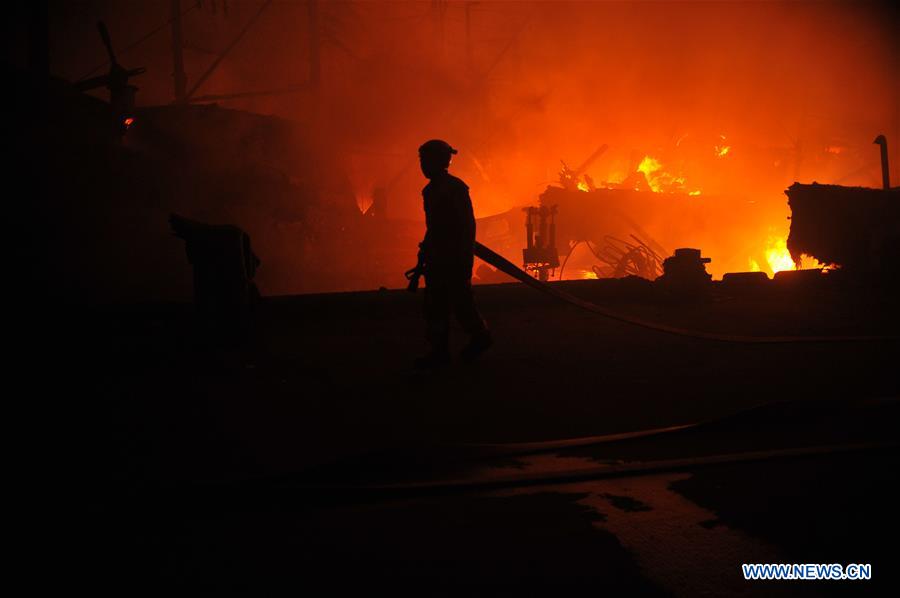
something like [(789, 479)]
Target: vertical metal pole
[(178, 75), (529, 227)]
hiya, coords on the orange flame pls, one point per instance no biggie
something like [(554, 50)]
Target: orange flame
[(661, 181), (778, 258), (722, 150)]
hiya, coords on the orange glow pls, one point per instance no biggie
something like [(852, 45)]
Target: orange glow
[(615, 179), (363, 202), (754, 265), (808, 262), (720, 105), (649, 166), (778, 258), (660, 180), (722, 149), (128, 122)]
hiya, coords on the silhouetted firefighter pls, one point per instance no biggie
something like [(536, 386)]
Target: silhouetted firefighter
[(446, 256)]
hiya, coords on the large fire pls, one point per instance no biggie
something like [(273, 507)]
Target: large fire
[(778, 258), (659, 180), (709, 112), (655, 176)]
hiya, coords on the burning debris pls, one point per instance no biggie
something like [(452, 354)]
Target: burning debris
[(626, 217), (779, 259), (627, 230), (318, 189), (833, 226), (618, 259)]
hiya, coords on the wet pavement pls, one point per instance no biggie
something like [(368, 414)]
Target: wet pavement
[(313, 456)]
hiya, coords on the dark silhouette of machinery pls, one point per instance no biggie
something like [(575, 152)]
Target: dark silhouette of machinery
[(620, 258), (121, 92), (540, 255), (685, 272), (224, 266), (855, 228)]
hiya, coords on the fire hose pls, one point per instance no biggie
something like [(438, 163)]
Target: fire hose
[(501, 263), (481, 476), (611, 470)]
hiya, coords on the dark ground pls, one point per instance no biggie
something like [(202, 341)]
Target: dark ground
[(201, 463)]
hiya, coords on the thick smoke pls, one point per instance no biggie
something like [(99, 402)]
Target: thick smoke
[(796, 90)]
